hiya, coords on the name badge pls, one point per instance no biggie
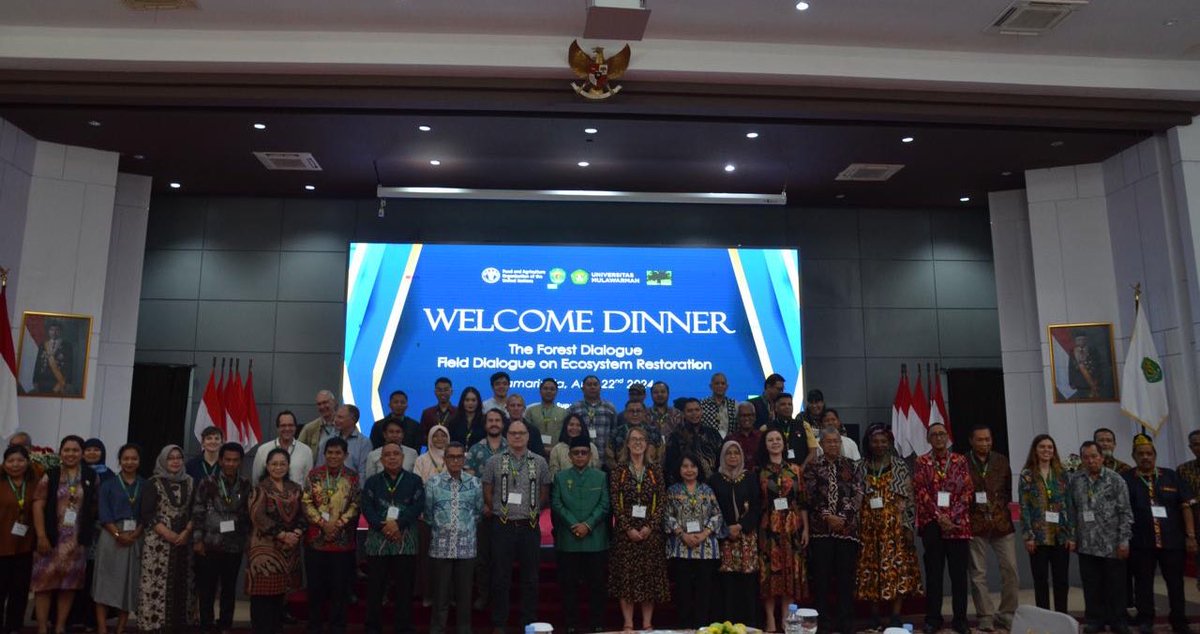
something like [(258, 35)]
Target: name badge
[(393, 513), (514, 498), (693, 526), (639, 511), (781, 504), (1157, 510), (227, 526), (546, 439), (1089, 516), (70, 516), (981, 497), (791, 454), (1051, 517), (944, 499), (876, 502), (592, 433), (20, 529), (325, 516), (128, 526)]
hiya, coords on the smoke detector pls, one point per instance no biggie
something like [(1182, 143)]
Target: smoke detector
[(289, 161), (869, 172), (160, 5), (1034, 17)]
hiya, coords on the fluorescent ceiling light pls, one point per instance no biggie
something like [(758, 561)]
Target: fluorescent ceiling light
[(590, 130), (424, 128), (710, 198)]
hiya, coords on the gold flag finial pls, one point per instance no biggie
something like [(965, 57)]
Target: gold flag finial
[(1137, 295), (3, 277)]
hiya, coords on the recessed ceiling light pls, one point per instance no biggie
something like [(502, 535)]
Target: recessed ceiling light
[(1006, 173), (176, 185), (1056, 144), (435, 162), (840, 196), (1171, 22), (310, 187), (590, 130), (964, 199), (907, 139), (802, 6), (424, 128), (260, 126), (94, 123), (139, 156), (729, 167), (751, 135), (583, 163)]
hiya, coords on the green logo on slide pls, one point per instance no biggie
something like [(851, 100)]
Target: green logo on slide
[(579, 277), (557, 276)]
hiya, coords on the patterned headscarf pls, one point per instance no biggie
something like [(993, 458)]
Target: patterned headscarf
[(160, 465)]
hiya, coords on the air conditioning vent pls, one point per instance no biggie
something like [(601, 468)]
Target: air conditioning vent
[(869, 172), (1034, 17), (160, 5), (291, 161)]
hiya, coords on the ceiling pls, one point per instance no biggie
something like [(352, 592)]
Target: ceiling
[(209, 152), (1103, 28)]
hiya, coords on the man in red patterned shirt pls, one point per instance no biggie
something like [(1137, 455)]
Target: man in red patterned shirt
[(944, 492)]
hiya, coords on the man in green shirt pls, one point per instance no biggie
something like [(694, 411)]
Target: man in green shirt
[(579, 502)]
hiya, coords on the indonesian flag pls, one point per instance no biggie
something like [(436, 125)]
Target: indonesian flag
[(902, 418), (233, 408), (210, 412), (937, 405), (253, 429), (1143, 391), (8, 371)]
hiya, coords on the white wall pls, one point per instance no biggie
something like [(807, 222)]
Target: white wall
[(75, 240)]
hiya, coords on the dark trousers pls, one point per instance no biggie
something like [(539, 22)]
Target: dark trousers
[(266, 614), (738, 598), (328, 581), (586, 569), (14, 590), (939, 555), (1170, 562), (213, 569), (1103, 590), (832, 566), (483, 562), (381, 572), (451, 578), (83, 608), (694, 580), (519, 541), (1048, 561)]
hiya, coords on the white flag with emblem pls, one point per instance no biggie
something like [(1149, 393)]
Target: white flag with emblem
[(1143, 384)]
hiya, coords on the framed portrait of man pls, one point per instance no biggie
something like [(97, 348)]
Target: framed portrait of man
[(53, 354), (1083, 364)]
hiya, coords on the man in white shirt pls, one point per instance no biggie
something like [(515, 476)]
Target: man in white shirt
[(499, 398), (393, 432), (849, 447), (301, 456)]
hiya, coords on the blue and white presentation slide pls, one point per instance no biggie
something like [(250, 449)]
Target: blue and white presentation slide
[(415, 312)]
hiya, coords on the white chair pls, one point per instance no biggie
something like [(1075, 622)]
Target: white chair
[(1031, 619)]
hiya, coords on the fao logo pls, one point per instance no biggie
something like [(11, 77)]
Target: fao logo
[(491, 275)]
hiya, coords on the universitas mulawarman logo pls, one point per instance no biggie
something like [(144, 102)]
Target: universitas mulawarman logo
[(1151, 370)]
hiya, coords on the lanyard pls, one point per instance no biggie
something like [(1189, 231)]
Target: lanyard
[(72, 485), (332, 485), (207, 471), (1150, 483), (225, 492), (443, 416), (981, 466), (137, 487), (20, 496), (391, 486)]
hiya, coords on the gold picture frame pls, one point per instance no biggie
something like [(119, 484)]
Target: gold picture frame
[(57, 363), (1083, 363)]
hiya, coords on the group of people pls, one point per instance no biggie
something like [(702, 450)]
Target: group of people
[(733, 510)]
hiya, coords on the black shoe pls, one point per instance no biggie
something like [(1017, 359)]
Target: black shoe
[(960, 628), (1092, 628), (1121, 629), (932, 628)]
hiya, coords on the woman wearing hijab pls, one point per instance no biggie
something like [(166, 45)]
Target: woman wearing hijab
[(165, 599), (16, 537), (83, 610), (119, 546), (64, 512), (429, 464), (560, 453), (738, 497), (887, 562)]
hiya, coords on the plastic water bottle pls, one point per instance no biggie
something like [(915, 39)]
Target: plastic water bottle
[(908, 627), (792, 624)]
